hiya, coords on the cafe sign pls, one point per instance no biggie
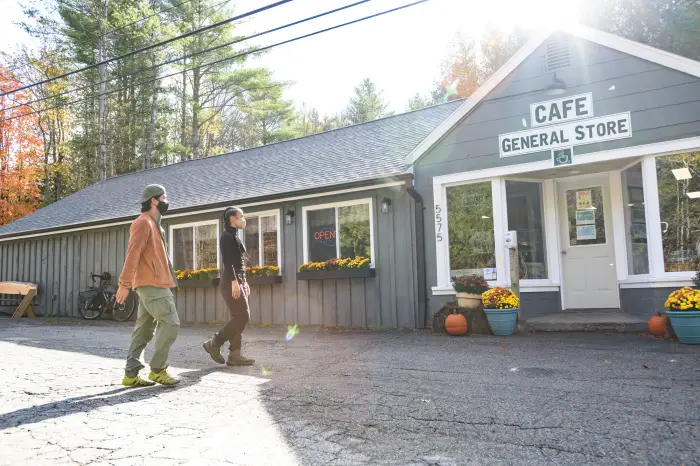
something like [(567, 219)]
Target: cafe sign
[(564, 123)]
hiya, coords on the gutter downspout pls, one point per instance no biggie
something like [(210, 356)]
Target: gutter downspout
[(420, 248)]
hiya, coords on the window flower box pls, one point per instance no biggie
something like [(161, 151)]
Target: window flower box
[(264, 280), (209, 283), (202, 278), (336, 269)]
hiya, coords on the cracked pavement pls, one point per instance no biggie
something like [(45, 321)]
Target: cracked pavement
[(349, 398)]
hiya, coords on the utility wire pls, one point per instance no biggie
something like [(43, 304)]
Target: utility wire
[(153, 46), (211, 49), (233, 57)]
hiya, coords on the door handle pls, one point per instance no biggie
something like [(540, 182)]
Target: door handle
[(563, 251)]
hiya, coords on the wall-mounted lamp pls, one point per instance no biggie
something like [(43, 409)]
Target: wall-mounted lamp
[(289, 217), (556, 87), (386, 203)]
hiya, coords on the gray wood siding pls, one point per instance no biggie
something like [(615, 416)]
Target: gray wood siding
[(664, 106), (61, 265)]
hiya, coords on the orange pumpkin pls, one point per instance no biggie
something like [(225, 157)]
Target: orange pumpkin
[(657, 325), (456, 324)]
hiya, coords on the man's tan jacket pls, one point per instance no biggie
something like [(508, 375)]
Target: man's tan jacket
[(146, 262)]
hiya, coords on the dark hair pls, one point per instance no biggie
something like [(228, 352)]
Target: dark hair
[(146, 206), (228, 213)]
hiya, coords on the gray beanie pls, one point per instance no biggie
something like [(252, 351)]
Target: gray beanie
[(152, 190)]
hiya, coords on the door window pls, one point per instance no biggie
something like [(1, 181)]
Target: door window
[(585, 216)]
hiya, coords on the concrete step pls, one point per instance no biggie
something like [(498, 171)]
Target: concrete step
[(588, 321)]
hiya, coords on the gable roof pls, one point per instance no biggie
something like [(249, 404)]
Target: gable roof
[(636, 49), (356, 154)]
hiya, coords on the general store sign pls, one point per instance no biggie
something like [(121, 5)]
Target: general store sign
[(564, 123)]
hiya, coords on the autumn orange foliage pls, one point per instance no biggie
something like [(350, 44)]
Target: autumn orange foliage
[(20, 146)]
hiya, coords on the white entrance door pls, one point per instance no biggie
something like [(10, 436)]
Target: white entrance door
[(588, 253)]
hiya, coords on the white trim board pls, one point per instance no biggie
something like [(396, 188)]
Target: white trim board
[(205, 211), (645, 52)]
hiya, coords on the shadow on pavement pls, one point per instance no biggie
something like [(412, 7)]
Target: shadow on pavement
[(86, 403)]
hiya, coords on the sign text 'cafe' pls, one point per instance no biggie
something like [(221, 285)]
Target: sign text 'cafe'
[(565, 123)]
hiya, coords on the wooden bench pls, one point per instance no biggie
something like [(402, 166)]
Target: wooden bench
[(28, 290)]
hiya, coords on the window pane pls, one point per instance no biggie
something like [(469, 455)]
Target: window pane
[(586, 216), (470, 223), (205, 242), (182, 248), (252, 241), (354, 231), (524, 201), (680, 214), (635, 220), (322, 235), (269, 232)]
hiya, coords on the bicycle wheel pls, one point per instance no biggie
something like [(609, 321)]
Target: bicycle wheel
[(123, 312), (93, 307)]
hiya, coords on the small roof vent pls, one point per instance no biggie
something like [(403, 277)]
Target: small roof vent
[(558, 54)]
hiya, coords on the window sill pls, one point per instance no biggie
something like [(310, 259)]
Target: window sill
[(534, 286), (336, 274), (668, 281)]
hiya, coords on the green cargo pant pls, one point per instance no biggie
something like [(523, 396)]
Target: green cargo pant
[(156, 313)]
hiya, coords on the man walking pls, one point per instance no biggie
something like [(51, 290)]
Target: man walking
[(147, 269)]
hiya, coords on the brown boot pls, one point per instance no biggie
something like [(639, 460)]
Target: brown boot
[(214, 351), (235, 359)]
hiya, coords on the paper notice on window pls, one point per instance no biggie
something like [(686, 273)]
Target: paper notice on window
[(583, 200), (585, 217), (489, 274), (585, 232)]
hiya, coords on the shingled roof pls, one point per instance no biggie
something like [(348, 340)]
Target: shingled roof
[(355, 154)]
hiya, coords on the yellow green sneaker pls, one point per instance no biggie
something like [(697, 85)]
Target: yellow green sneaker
[(136, 382), (163, 378)]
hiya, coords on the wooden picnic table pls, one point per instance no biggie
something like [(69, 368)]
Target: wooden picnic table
[(28, 290)]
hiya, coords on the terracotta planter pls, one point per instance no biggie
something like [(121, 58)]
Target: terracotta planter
[(469, 300)]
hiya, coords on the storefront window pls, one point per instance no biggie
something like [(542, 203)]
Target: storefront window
[(635, 221), (679, 205), (195, 246), (524, 204), (260, 238), (470, 224), (348, 237), (586, 216)]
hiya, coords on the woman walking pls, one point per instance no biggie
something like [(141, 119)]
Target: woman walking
[(234, 289)]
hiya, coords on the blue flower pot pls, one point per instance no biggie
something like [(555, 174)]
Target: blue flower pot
[(686, 325), (502, 321)]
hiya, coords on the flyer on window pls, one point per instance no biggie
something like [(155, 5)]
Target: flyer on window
[(585, 232), (585, 217), (583, 200)]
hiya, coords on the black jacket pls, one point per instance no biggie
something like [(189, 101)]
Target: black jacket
[(233, 256)]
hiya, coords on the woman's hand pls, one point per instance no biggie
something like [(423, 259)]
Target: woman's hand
[(235, 289)]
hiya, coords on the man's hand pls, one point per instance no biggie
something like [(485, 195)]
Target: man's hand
[(122, 294), (235, 289)]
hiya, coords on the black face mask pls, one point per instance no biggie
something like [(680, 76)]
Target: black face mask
[(162, 207)]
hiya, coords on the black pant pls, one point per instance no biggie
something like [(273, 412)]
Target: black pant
[(240, 315)]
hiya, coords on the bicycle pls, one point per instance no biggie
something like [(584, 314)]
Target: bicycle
[(96, 300)]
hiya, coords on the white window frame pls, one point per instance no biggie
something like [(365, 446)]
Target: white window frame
[(647, 154), (260, 216), (336, 205), (194, 246)]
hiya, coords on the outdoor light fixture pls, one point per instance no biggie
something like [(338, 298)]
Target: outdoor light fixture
[(386, 203), (289, 217), (556, 87), (682, 173), (694, 195)]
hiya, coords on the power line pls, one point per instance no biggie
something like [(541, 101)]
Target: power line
[(233, 57), (211, 49), (153, 46), (157, 13)]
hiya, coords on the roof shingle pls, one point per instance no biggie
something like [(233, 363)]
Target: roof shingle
[(367, 151)]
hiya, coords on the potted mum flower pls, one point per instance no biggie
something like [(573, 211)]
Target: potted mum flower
[(683, 310), (501, 309), (469, 289)]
